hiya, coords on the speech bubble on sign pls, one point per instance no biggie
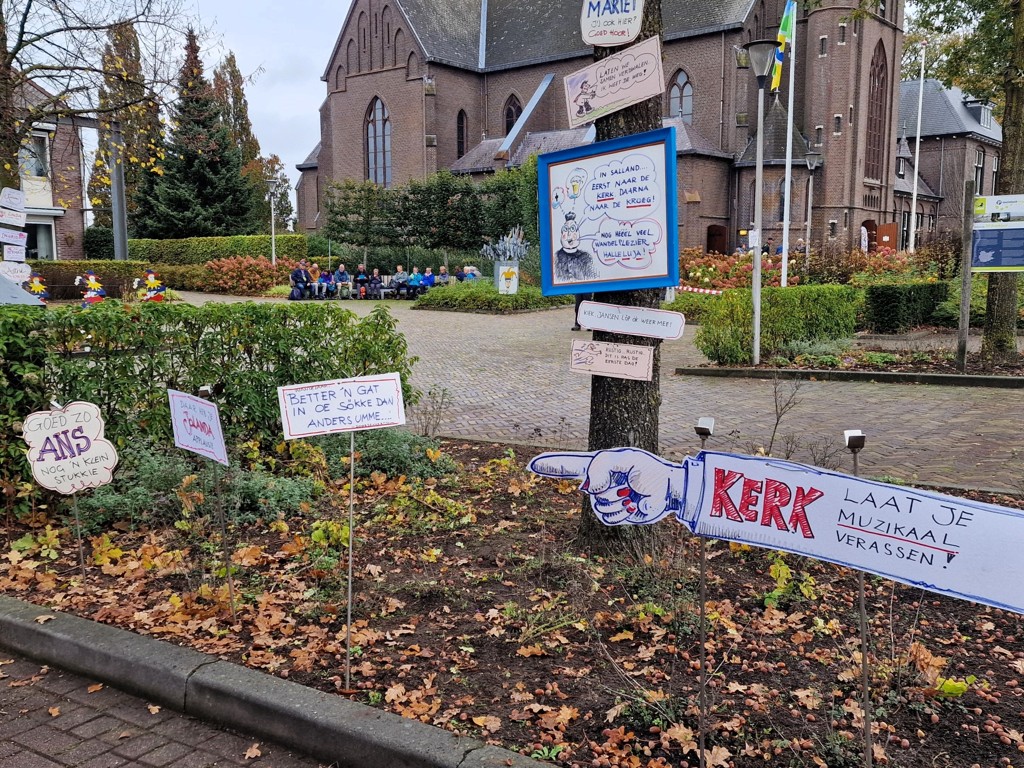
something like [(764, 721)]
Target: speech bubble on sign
[(628, 244), (623, 73), (626, 190), (67, 449)]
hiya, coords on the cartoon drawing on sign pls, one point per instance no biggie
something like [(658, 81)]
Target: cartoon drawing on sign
[(572, 264), (93, 293), (611, 210), (587, 92)]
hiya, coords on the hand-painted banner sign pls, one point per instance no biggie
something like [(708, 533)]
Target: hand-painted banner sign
[(13, 199), (611, 22), (942, 543), (196, 424), (67, 450), (616, 361), (344, 405), (615, 82)]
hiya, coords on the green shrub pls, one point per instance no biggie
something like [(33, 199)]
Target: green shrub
[(143, 491), (246, 275), (692, 305), (187, 277), (200, 250), (896, 308), (480, 295), (394, 452), (98, 243), (22, 360), (799, 313), (124, 357), (947, 313), (385, 258)]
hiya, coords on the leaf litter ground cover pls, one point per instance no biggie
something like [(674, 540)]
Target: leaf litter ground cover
[(474, 611)]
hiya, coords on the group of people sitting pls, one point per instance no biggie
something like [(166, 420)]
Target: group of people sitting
[(310, 282)]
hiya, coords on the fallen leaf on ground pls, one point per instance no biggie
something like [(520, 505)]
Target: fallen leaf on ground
[(95, 687), (253, 752), (44, 619), (54, 711)]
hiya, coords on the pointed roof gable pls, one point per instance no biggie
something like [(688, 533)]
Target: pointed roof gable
[(943, 111), (774, 139), (491, 35)]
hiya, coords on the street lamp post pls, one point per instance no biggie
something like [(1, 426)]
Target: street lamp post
[(272, 192), (813, 160), (762, 57)]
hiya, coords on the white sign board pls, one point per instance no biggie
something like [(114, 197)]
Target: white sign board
[(614, 83), (196, 424), (14, 253), (611, 22), (13, 199), (10, 237), (608, 215), (12, 218), (343, 405), (506, 276), (998, 207), (616, 361), (945, 544), (67, 450), (636, 321), (16, 271)]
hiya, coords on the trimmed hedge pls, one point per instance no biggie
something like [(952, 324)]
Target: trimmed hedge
[(98, 243), (797, 313), (200, 250), (896, 308), (385, 258), (124, 358), (693, 305), (480, 295)]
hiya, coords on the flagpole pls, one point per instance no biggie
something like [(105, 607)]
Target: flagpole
[(917, 154), (787, 203)]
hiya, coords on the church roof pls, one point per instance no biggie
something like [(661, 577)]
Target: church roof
[(774, 139), (489, 35), (944, 111), (312, 159)]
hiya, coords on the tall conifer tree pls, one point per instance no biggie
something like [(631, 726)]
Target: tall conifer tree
[(201, 192)]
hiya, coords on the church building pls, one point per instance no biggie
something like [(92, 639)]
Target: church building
[(415, 86)]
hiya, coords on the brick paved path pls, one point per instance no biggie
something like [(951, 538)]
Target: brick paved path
[(50, 720), (509, 380)]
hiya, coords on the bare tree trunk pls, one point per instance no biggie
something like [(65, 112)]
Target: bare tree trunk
[(1000, 340), (625, 412)]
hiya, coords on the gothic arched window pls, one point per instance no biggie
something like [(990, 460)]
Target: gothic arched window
[(377, 127), (513, 109), (680, 98), (877, 100), (461, 133)]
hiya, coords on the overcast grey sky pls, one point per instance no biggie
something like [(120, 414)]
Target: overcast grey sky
[(291, 41)]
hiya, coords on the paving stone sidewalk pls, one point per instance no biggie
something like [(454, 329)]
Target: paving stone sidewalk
[(50, 719), (508, 379)]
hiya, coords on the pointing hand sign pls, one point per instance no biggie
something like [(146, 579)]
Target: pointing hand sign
[(625, 485)]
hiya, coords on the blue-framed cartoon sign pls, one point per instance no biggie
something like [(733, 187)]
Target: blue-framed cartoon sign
[(608, 215)]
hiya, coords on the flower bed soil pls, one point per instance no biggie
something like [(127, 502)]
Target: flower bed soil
[(476, 612)]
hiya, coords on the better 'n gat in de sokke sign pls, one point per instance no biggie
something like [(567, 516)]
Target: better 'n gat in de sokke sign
[(941, 543), (343, 405)]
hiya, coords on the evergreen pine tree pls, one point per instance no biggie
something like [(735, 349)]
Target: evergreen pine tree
[(201, 192)]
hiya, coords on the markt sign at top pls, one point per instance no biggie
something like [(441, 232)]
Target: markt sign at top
[(611, 22)]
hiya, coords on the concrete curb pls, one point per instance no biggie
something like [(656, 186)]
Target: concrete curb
[(879, 377), (326, 727)]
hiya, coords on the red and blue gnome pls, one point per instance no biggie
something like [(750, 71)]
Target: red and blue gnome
[(93, 293), (154, 288)]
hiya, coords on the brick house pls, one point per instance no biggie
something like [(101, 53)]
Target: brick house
[(414, 86), (960, 140), (50, 165)]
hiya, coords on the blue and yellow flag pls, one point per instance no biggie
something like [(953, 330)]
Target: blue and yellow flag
[(785, 33)]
